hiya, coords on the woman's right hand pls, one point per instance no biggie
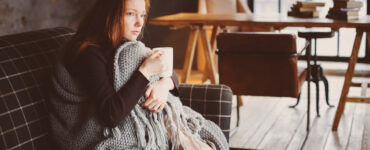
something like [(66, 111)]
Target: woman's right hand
[(154, 64)]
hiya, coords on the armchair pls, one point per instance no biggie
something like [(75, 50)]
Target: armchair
[(260, 64), (225, 7), (25, 64)]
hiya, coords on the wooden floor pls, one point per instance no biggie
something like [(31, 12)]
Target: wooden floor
[(268, 122)]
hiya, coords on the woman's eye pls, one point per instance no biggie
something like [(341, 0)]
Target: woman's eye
[(143, 15), (130, 13)]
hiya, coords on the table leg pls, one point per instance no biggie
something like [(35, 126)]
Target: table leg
[(348, 78), (308, 79), (368, 41), (215, 32), (209, 56), (193, 36)]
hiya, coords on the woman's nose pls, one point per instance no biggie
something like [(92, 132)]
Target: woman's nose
[(139, 21)]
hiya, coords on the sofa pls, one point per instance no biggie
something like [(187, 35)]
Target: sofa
[(26, 61)]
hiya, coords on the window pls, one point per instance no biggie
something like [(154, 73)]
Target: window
[(333, 47)]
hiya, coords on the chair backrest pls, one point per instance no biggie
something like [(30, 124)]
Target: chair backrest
[(25, 64), (256, 63)]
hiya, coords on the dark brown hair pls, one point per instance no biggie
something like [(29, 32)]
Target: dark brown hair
[(102, 27)]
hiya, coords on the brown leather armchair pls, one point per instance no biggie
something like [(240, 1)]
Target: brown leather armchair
[(260, 64), (223, 7)]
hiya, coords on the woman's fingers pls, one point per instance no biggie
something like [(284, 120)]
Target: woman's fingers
[(160, 108), (148, 91), (153, 64), (156, 107), (148, 102), (151, 105), (156, 53), (156, 96), (151, 102)]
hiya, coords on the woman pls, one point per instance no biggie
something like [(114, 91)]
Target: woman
[(78, 118)]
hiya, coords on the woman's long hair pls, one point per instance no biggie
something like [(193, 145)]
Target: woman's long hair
[(103, 27)]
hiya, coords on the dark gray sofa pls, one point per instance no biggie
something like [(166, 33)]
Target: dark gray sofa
[(26, 60)]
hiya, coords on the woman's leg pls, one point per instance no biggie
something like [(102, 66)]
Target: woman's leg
[(192, 145)]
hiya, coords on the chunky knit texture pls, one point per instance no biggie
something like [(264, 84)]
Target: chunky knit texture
[(75, 124)]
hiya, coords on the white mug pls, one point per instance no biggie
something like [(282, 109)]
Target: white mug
[(168, 56)]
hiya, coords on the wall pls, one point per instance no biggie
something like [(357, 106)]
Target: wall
[(26, 15)]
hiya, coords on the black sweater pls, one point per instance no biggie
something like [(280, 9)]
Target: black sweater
[(94, 69)]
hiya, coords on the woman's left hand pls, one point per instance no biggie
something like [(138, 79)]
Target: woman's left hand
[(156, 94)]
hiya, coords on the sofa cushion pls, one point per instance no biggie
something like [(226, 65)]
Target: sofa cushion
[(25, 62)]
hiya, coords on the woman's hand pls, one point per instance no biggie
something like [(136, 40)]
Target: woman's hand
[(157, 93), (154, 64)]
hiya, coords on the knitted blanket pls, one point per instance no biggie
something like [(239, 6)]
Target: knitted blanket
[(75, 124)]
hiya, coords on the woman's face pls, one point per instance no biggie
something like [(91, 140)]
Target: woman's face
[(134, 18)]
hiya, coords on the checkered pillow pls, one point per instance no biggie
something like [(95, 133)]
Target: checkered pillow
[(25, 62), (212, 101)]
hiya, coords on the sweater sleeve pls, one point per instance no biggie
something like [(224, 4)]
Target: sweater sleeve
[(91, 68)]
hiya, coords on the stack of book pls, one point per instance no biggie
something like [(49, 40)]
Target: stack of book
[(345, 9), (306, 9)]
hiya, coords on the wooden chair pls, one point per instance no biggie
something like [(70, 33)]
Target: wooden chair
[(260, 64)]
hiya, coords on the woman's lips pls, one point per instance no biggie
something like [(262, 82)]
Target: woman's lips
[(136, 32)]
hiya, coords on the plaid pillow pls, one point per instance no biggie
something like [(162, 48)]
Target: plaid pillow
[(214, 102), (25, 62)]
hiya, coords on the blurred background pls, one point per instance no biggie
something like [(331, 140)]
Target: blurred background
[(25, 15)]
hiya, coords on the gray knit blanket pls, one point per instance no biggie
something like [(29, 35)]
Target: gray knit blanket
[(75, 123)]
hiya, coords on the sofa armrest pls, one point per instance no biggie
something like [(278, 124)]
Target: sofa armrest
[(214, 102)]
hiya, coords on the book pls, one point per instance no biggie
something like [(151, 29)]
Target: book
[(347, 4), (303, 9), (342, 17), (346, 9), (342, 0), (342, 12), (313, 14), (310, 4)]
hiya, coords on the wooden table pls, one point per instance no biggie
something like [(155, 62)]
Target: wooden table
[(197, 22)]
